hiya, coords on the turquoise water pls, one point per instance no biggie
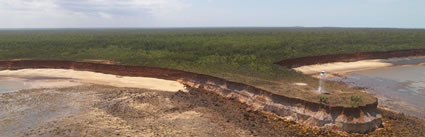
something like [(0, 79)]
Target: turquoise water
[(401, 88)]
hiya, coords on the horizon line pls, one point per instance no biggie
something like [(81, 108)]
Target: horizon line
[(207, 27)]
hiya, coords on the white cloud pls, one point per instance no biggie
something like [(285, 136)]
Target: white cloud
[(105, 15), (155, 7), (27, 5), (20, 13)]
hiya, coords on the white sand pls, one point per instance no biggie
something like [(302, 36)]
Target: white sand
[(76, 77), (301, 84), (343, 67)]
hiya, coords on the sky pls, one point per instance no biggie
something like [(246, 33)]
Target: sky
[(211, 13)]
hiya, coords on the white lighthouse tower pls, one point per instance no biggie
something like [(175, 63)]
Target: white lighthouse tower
[(322, 89)]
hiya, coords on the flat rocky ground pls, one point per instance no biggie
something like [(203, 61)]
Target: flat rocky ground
[(91, 110)]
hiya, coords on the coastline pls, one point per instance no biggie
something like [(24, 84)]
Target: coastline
[(390, 119), (45, 78), (342, 68), (346, 72), (338, 69), (350, 57), (361, 118)]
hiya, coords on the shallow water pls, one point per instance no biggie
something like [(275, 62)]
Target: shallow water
[(401, 88), (9, 84)]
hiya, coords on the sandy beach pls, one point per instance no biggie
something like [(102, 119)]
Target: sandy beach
[(51, 78), (343, 67)]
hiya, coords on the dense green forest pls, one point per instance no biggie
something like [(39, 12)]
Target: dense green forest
[(222, 52)]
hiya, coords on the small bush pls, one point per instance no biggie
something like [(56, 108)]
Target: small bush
[(324, 99), (356, 101)]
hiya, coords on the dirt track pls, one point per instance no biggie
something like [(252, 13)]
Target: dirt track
[(109, 111)]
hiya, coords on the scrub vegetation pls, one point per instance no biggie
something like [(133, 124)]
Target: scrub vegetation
[(323, 99), (243, 55)]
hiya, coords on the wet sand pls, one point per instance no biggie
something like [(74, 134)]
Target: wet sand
[(10, 84), (91, 78)]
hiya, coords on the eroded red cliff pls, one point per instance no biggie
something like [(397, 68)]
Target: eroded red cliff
[(350, 119)]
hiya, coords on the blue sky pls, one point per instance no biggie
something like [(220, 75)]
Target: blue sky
[(211, 13)]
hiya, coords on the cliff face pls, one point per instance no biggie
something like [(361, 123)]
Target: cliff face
[(359, 119), (350, 119)]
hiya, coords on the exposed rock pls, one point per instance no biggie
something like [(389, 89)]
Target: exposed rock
[(361, 119)]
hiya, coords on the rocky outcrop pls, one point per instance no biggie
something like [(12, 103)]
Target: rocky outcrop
[(360, 119), (350, 119)]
